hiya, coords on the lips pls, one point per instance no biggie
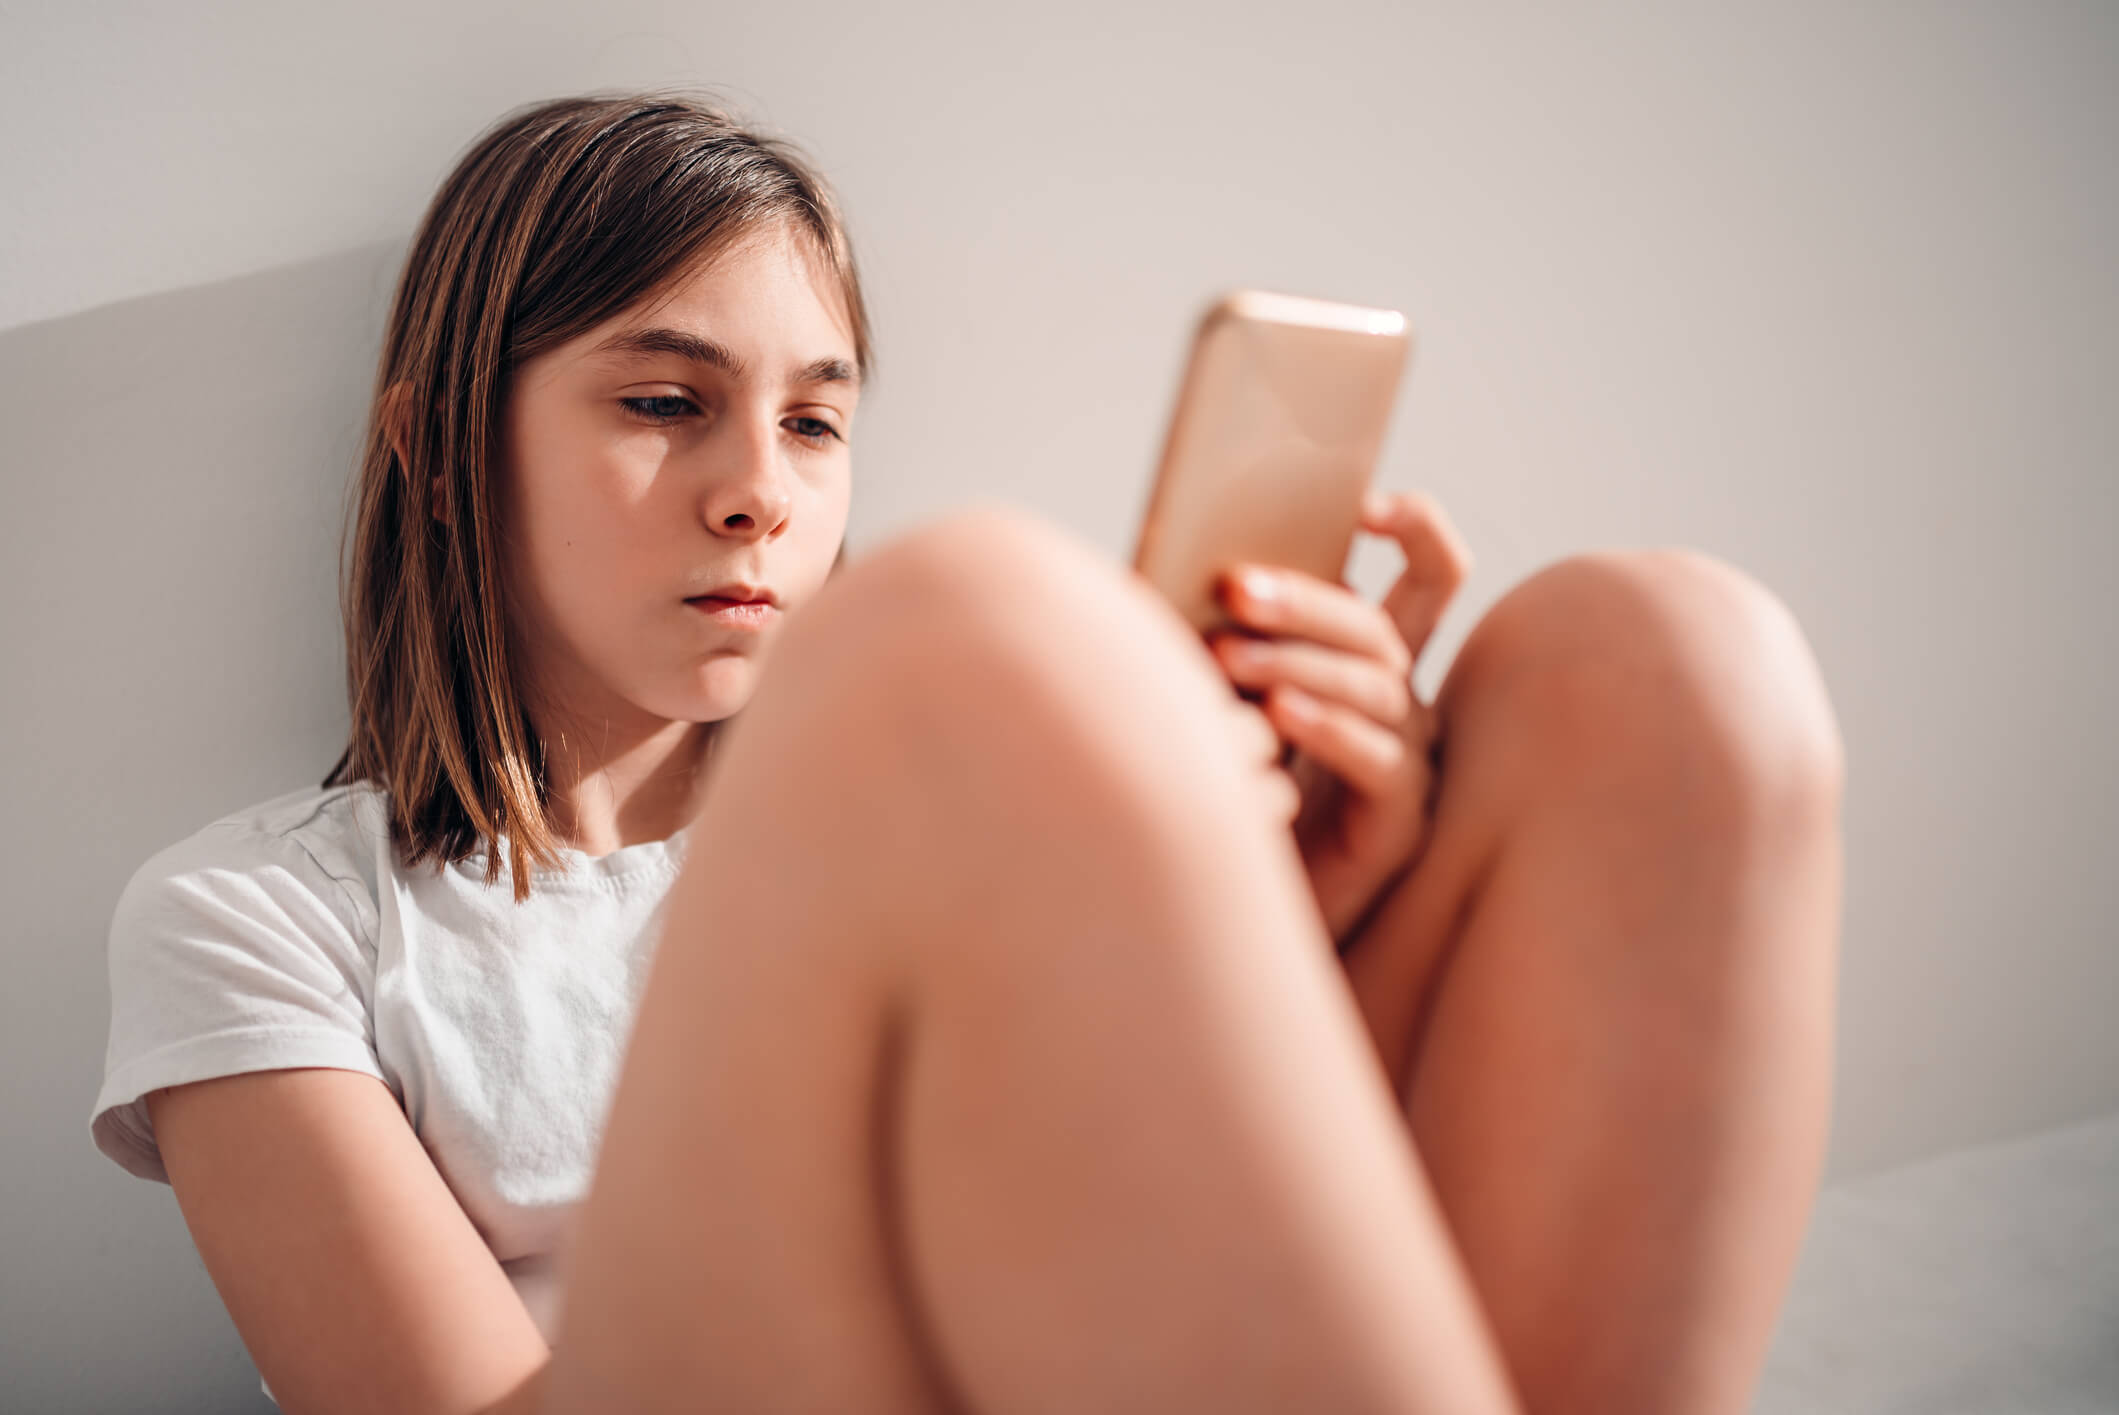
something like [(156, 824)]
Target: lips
[(738, 594), (744, 614)]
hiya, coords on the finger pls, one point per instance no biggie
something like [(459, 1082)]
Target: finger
[(1333, 675), (1437, 561), (1415, 515), (1282, 601), (1369, 758)]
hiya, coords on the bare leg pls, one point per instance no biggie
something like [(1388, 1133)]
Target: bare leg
[(994, 1057), (1607, 989)]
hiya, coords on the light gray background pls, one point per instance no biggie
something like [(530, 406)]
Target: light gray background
[(1826, 290)]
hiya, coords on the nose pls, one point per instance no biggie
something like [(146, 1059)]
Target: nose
[(746, 494)]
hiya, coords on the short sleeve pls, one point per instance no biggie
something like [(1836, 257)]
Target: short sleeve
[(231, 951)]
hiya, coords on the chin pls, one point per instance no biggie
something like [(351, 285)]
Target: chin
[(719, 688)]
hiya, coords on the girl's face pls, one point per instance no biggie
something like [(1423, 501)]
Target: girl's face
[(697, 440)]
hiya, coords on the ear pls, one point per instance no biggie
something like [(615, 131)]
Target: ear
[(397, 425)]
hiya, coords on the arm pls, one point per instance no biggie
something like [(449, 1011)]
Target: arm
[(353, 1276)]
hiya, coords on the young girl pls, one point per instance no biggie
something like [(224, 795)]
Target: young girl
[(965, 1012)]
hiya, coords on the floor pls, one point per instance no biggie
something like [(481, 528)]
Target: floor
[(1981, 1282)]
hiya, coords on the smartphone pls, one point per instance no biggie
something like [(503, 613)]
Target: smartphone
[(1272, 445)]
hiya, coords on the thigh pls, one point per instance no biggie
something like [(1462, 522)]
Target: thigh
[(735, 1220)]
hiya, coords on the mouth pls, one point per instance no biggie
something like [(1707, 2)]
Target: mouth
[(738, 593), (736, 613)]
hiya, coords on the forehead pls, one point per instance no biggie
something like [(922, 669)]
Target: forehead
[(766, 307)]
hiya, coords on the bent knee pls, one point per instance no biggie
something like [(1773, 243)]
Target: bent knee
[(1626, 657), (937, 583), (993, 611), (996, 568)]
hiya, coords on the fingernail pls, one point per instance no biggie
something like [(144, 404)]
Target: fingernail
[(1259, 586)]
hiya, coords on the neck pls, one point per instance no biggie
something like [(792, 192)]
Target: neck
[(613, 787)]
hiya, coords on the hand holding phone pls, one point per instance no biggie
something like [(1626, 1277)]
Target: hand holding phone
[(1267, 468)]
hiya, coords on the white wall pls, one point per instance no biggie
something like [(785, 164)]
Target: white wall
[(1825, 290)]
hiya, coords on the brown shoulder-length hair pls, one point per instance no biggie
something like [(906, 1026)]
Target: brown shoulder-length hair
[(560, 215)]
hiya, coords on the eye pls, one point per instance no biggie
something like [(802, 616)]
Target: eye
[(822, 432), (657, 409)]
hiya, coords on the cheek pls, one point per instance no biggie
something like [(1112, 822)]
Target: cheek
[(590, 533)]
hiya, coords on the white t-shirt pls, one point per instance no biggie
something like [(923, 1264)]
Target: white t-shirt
[(288, 934)]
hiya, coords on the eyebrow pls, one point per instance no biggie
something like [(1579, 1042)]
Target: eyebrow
[(635, 343)]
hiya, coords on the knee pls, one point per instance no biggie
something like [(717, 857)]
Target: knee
[(998, 577), (1651, 662), (987, 563), (992, 610), (939, 581)]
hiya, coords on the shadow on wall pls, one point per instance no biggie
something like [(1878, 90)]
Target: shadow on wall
[(178, 468)]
